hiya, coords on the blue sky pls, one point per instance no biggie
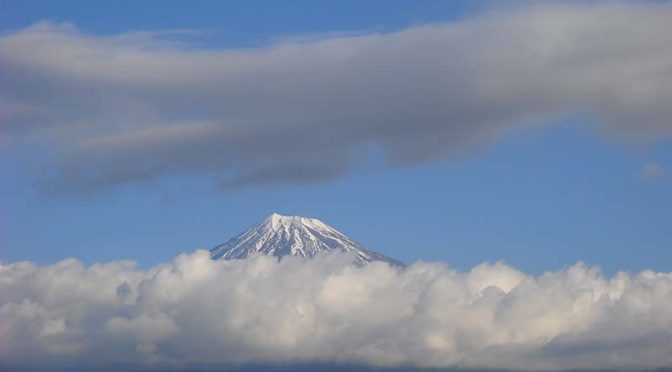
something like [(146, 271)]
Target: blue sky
[(237, 22), (539, 197)]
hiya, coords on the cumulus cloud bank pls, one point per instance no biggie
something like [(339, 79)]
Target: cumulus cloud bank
[(136, 106), (198, 311)]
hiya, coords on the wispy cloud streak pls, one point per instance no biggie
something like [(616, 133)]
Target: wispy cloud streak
[(133, 107)]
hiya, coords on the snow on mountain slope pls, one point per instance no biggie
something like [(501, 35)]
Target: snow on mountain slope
[(281, 236)]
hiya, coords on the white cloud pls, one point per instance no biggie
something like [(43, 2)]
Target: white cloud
[(133, 107), (198, 311)]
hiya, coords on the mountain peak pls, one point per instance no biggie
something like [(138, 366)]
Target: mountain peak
[(277, 221), (280, 236)]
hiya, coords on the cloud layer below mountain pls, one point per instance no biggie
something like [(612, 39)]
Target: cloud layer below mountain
[(138, 106), (198, 311)]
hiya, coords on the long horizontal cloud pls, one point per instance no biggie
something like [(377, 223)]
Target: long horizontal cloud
[(137, 106), (196, 311)]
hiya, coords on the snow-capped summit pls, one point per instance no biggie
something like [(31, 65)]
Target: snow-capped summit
[(281, 236)]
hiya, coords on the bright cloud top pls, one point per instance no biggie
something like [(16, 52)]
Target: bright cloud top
[(199, 311), (132, 107)]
